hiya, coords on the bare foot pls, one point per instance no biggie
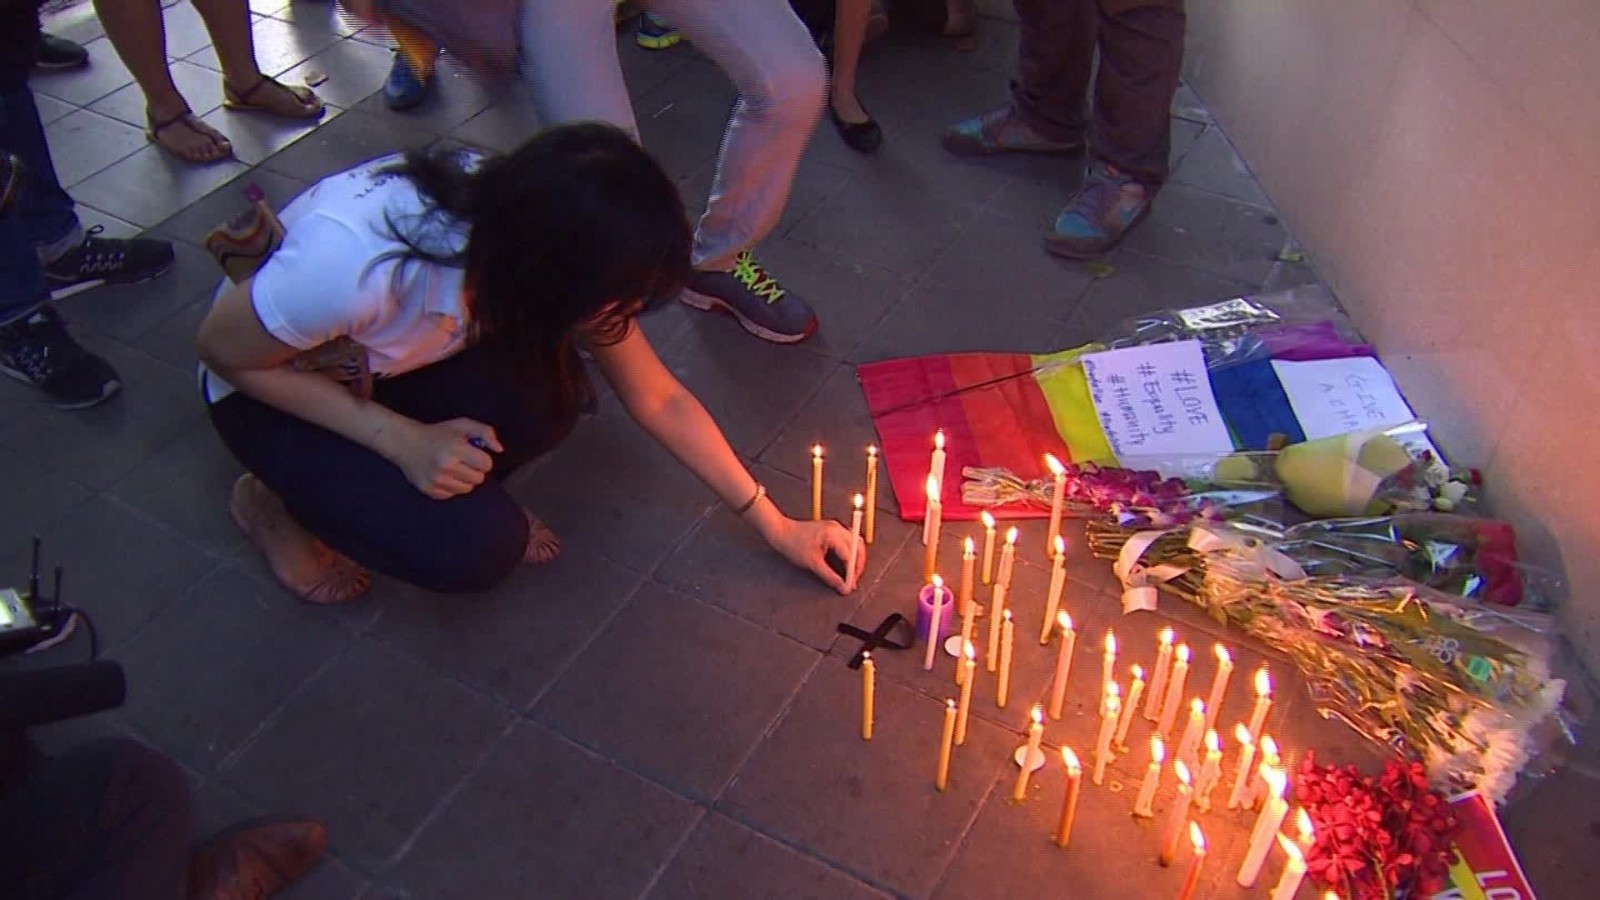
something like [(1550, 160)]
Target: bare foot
[(183, 135), (543, 545), (307, 567), (269, 95)]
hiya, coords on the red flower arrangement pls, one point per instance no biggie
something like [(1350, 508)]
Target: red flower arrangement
[(1376, 838)]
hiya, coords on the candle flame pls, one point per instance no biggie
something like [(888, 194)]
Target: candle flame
[(1303, 826), (859, 501), (938, 582), (1263, 682), (1269, 747), (1291, 850), (1166, 637), (1158, 750), (1064, 619), (1223, 656), (1213, 743), (1112, 690), (816, 451), (1111, 643), (968, 549), (1056, 468), (1061, 546), (969, 651), (1038, 714), (950, 705), (988, 520), (1183, 653), (1113, 706), (1242, 734), (1196, 839), (1138, 672), (1071, 760), (1008, 615), (1011, 535), (872, 451), (933, 488), (1197, 708), (1182, 770), (866, 656), (1330, 896), (1276, 782), (938, 439)]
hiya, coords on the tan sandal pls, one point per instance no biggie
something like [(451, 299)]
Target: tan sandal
[(310, 106), (304, 565), (221, 147)]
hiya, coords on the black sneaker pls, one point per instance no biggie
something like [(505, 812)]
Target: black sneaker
[(60, 53), (39, 351), (100, 260)]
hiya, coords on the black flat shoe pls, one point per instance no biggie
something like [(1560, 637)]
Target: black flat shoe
[(863, 137)]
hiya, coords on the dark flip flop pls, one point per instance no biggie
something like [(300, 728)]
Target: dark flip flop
[(311, 106), (187, 120)]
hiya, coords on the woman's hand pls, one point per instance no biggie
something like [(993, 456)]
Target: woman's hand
[(442, 460), (806, 544)]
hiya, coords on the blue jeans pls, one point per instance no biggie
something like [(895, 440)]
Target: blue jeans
[(43, 222)]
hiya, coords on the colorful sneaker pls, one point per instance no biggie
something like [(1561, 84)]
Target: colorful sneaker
[(1001, 131), (100, 260), (654, 33), (60, 53), (403, 90), (762, 306), (38, 351), (1108, 204)]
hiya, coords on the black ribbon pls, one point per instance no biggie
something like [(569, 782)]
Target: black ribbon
[(879, 637)]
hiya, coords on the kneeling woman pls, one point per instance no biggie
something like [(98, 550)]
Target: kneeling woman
[(459, 294)]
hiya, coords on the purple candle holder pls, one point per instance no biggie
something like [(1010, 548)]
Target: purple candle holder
[(949, 622)]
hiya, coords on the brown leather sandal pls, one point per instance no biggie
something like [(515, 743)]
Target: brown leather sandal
[(220, 147), (310, 107)]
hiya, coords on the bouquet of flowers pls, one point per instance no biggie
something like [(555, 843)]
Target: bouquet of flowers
[(1128, 496)]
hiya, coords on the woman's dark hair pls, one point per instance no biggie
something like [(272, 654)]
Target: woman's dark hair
[(577, 227)]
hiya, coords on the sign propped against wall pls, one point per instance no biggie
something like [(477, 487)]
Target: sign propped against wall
[(1337, 396)]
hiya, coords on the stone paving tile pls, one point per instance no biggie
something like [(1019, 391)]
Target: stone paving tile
[(198, 85), (36, 499), (172, 340), (849, 297), (255, 136), (195, 221), (370, 723), (280, 45), (835, 416), (51, 109), (542, 811), (351, 138), (1207, 231), (186, 485), (1213, 165), (514, 641), (217, 809), (682, 119), (150, 185), (941, 318), (80, 87), (453, 99), (1001, 255), (723, 859), (1138, 284), (346, 72), (84, 142), (125, 311), (653, 691)]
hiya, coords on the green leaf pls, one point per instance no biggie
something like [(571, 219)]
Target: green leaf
[(1101, 271)]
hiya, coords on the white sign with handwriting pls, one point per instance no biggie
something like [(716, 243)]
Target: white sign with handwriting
[(1338, 396), (1156, 400)]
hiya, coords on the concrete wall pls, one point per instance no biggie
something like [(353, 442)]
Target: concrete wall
[(1440, 159)]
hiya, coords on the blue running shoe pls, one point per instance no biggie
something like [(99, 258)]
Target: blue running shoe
[(403, 90), (1107, 206), (654, 33), (762, 306)]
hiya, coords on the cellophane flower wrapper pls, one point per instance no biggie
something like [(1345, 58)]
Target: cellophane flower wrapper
[(1296, 324), (1466, 687)]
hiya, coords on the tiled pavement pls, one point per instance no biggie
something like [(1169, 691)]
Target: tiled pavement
[(665, 711)]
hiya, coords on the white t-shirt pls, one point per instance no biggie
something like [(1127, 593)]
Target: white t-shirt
[(330, 278)]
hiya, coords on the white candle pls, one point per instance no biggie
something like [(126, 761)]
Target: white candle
[(1158, 678), (872, 494), (969, 613), (1191, 880), (969, 557), (1305, 834), (969, 664), (997, 614), (1019, 791), (1219, 685), (869, 683), (1210, 771), (1294, 871), (1108, 723), (1240, 795), (946, 742), (935, 480), (1144, 804), (1007, 639), (1058, 684), (933, 520), (1258, 714), (1135, 691), (816, 483), (1193, 732), (1069, 807), (1179, 817), (988, 546), (1052, 600), (935, 619), (1266, 828), (1175, 683), (1108, 659), (1008, 558), (1269, 760), (1053, 544), (855, 542)]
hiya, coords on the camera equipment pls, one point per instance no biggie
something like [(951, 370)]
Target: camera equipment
[(32, 620)]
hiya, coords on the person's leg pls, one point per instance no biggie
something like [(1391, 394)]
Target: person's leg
[(569, 62), (854, 124), (139, 35), (361, 505), (109, 819), (1054, 61), (244, 85)]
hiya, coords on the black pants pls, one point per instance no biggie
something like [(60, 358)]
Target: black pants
[(361, 504), (1141, 58), (105, 821)]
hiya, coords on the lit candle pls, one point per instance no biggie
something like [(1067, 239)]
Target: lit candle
[(1240, 795), (1058, 684), (1019, 791), (1053, 545), (969, 665), (1007, 637), (988, 546), (1143, 805), (1158, 678), (1135, 690), (997, 614), (1008, 559), (935, 514), (855, 540), (1052, 602), (1193, 732), (935, 619), (816, 483), (1305, 834), (1294, 871), (1269, 760), (1179, 816), (969, 559), (869, 684), (1210, 771), (1219, 685), (942, 780), (1266, 828), (1069, 808), (1108, 659), (1109, 708), (969, 618), (1258, 714), (935, 481), (872, 493), (1169, 709), (1191, 880)]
